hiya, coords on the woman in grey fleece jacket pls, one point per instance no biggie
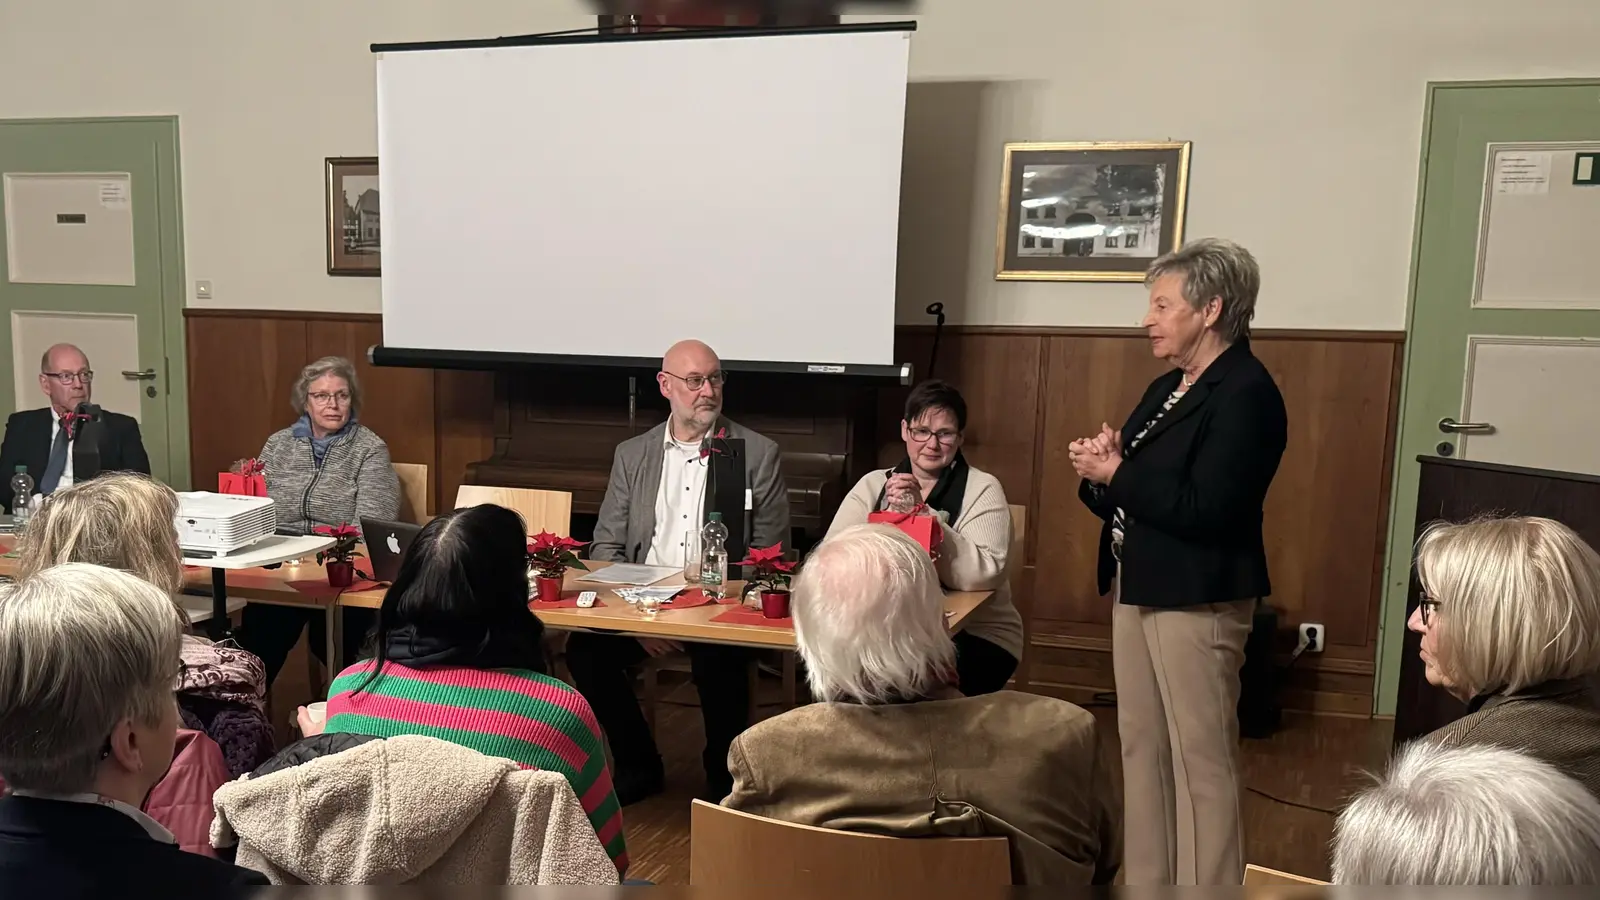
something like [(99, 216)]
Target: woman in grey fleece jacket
[(974, 518), (324, 470)]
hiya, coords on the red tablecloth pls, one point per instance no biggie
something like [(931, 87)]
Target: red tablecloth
[(745, 615)]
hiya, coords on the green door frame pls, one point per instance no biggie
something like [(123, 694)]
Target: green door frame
[(1403, 486), (169, 211)]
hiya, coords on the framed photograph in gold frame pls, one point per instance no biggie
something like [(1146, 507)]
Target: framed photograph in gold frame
[(1089, 211), (355, 233)]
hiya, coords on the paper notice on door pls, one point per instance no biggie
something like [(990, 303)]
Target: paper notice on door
[(1522, 173), (114, 194)]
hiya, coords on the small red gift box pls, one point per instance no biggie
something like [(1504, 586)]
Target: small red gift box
[(247, 477), (924, 529)]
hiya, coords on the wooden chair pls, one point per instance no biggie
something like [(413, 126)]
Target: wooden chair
[(413, 492), (1015, 562), (731, 849), (1256, 876), (540, 510)]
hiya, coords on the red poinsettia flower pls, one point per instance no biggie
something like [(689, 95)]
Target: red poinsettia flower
[(768, 570), (551, 555), (709, 445), (345, 537)]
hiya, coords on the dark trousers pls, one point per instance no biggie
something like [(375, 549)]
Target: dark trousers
[(270, 632), (600, 667), (982, 667)]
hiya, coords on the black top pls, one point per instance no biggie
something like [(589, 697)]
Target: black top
[(30, 433), (1192, 491), (63, 851)]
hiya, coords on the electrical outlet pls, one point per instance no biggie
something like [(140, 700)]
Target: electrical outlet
[(1311, 635)]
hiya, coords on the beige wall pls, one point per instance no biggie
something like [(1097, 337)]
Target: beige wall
[(1306, 124)]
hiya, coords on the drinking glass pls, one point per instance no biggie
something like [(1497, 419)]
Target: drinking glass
[(649, 604), (691, 558)]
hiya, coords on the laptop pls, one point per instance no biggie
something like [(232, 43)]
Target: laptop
[(387, 543)]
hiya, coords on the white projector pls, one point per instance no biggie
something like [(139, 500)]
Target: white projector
[(217, 524)]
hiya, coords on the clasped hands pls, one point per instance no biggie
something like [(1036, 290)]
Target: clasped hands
[(901, 493), (1097, 458)]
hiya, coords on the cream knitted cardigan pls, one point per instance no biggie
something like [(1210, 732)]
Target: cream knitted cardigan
[(972, 556)]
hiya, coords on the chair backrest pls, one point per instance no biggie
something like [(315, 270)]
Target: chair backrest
[(731, 849), (540, 510), (1259, 875), (413, 492)]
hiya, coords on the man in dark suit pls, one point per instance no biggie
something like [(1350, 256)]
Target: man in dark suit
[(55, 456)]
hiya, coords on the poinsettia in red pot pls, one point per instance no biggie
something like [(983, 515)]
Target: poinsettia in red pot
[(340, 558), (549, 558), (768, 574)]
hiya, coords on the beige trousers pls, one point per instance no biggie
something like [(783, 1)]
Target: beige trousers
[(1177, 674)]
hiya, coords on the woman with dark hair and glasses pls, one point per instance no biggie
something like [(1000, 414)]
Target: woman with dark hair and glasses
[(971, 508), (458, 656)]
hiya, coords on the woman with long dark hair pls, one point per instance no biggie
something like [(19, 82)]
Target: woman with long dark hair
[(458, 656)]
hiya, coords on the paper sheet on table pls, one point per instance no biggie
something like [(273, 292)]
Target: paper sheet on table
[(663, 594), (631, 573)]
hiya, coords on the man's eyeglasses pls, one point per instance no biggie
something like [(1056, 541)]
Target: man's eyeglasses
[(85, 376), (921, 435), (696, 382), (322, 398), (1428, 606)]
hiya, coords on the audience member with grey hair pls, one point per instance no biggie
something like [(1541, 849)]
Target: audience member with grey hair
[(1469, 816), (326, 469), (1181, 489), (87, 728), (894, 748), (1510, 623)]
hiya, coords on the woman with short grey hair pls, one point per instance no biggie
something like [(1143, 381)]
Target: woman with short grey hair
[(1469, 816), (894, 748), (326, 469), (1181, 489), (87, 728)]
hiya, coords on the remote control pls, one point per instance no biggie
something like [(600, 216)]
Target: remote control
[(586, 599)]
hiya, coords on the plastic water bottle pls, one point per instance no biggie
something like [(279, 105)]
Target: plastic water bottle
[(714, 557), (21, 498)]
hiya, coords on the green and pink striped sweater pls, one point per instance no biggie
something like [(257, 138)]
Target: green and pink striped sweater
[(534, 720)]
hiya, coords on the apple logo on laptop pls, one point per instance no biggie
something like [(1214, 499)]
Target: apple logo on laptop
[(393, 543)]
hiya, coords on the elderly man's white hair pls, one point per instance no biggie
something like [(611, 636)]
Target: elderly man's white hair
[(869, 618), (1469, 815)]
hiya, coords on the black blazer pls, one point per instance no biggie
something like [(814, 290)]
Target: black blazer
[(1192, 491), (27, 443), (62, 850)]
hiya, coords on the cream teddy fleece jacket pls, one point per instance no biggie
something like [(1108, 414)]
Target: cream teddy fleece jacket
[(410, 810)]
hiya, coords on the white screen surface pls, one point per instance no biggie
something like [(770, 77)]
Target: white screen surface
[(607, 198)]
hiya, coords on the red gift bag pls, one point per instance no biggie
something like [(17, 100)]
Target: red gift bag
[(924, 529), (247, 478)]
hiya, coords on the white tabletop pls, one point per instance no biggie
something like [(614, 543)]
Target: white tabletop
[(275, 548)]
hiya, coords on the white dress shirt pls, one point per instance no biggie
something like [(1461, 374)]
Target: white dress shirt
[(55, 429), (680, 504)]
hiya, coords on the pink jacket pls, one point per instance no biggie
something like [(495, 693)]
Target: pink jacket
[(181, 802)]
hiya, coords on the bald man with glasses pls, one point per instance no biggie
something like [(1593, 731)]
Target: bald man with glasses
[(664, 484), (59, 450)]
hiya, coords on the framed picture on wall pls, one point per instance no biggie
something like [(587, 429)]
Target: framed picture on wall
[(1089, 211), (355, 235)]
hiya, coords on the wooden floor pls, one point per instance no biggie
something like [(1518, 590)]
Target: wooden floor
[(1313, 761)]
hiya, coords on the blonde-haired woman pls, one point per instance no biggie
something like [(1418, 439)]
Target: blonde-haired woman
[(125, 521), (1510, 624), (120, 521)]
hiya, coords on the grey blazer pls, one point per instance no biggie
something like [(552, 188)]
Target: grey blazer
[(627, 520)]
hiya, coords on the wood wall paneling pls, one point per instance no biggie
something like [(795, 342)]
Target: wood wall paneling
[(238, 393), (1030, 392)]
